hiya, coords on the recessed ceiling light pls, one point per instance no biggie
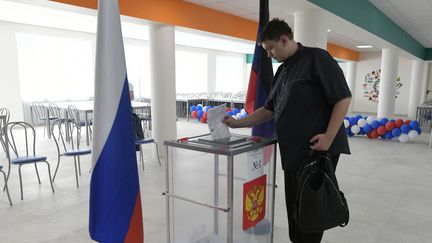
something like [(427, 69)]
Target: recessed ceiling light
[(364, 46), (328, 30)]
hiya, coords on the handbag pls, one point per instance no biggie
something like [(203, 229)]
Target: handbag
[(320, 204)]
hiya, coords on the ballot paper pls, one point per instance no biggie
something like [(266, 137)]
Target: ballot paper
[(218, 129)]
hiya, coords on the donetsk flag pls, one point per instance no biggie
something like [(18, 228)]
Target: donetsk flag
[(261, 78), (115, 202)]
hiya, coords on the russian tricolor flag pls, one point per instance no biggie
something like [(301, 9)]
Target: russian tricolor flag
[(115, 201), (261, 78)]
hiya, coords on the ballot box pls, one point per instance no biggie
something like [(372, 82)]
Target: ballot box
[(220, 190)]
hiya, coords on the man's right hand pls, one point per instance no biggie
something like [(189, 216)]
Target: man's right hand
[(231, 122)]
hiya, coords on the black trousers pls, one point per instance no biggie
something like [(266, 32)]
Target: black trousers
[(295, 235)]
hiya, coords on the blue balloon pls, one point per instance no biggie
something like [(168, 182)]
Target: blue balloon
[(384, 121), (193, 108), (235, 111), (200, 114), (358, 117), (414, 125), (368, 128), (352, 121), (362, 131), (389, 135), (229, 113), (392, 120), (419, 130), (396, 132), (375, 124), (350, 133), (346, 118), (199, 108), (405, 128)]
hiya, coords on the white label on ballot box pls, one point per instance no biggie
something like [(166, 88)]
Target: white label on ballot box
[(255, 163)]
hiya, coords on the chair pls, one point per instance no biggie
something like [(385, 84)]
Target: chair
[(26, 154), (140, 142), (5, 187), (74, 114), (40, 112), (4, 115), (69, 148)]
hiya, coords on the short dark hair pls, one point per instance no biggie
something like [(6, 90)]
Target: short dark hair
[(274, 29)]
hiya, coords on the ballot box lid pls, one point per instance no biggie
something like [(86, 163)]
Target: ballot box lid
[(233, 145)]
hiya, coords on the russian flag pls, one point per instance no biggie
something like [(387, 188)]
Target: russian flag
[(115, 201), (261, 78)]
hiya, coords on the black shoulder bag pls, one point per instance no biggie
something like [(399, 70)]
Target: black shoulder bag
[(320, 204)]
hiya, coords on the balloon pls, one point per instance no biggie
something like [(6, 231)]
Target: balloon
[(358, 117), (235, 111), (375, 124), (383, 121), (388, 135), (362, 132), (229, 113), (381, 130), (414, 125), (352, 121), (407, 122), (389, 126), (355, 129), (194, 114), (405, 128), (200, 113), (346, 123), (199, 107), (368, 128), (193, 108), (403, 138), (205, 115), (362, 122), (419, 130), (350, 133), (203, 120), (396, 132), (205, 108), (238, 115), (243, 111), (374, 134), (227, 109), (370, 119), (399, 123), (412, 134)]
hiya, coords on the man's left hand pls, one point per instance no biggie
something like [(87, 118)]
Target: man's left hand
[(321, 142)]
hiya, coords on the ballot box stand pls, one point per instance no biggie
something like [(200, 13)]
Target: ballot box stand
[(205, 183)]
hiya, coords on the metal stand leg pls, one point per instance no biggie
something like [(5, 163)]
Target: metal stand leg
[(216, 195), (230, 214)]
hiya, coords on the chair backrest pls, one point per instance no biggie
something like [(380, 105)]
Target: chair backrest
[(74, 114), (38, 110), (21, 137), (54, 110), (4, 112), (60, 128)]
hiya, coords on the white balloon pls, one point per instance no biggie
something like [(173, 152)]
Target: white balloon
[(403, 138), (370, 119), (346, 123), (355, 129), (238, 115), (412, 134), (200, 105), (362, 122), (243, 111)]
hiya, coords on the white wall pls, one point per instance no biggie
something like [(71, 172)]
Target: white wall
[(370, 61), (9, 82)]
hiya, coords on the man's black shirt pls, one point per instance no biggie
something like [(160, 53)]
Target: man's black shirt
[(306, 87)]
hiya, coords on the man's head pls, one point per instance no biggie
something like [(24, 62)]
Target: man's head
[(277, 39)]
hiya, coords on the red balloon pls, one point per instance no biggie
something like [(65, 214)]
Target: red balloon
[(205, 115), (227, 109), (389, 126), (399, 123), (374, 134), (203, 119), (194, 114), (407, 122), (381, 130)]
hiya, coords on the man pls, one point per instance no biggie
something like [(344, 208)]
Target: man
[(308, 102)]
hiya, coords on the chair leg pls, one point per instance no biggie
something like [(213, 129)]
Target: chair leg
[(37, 173), (79, 165), (7, 177), (7, 189), (49, 174), (157, 152), (76, 172), (141, 156), (20, 179), (55, 172)]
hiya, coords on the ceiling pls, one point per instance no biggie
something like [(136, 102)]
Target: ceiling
[(414, 16)]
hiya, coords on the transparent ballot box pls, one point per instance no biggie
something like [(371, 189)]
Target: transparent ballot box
[(220, 190)]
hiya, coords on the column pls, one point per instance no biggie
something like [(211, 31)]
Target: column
[(417, 77), (163, 94), (350, 78), (387, 89), (310, 28)]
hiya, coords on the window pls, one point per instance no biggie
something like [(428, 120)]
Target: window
[(55, 68), (230, 73), (138, 67), (191, 71)]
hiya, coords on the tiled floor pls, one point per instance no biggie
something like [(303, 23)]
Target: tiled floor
[(387, 185)]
